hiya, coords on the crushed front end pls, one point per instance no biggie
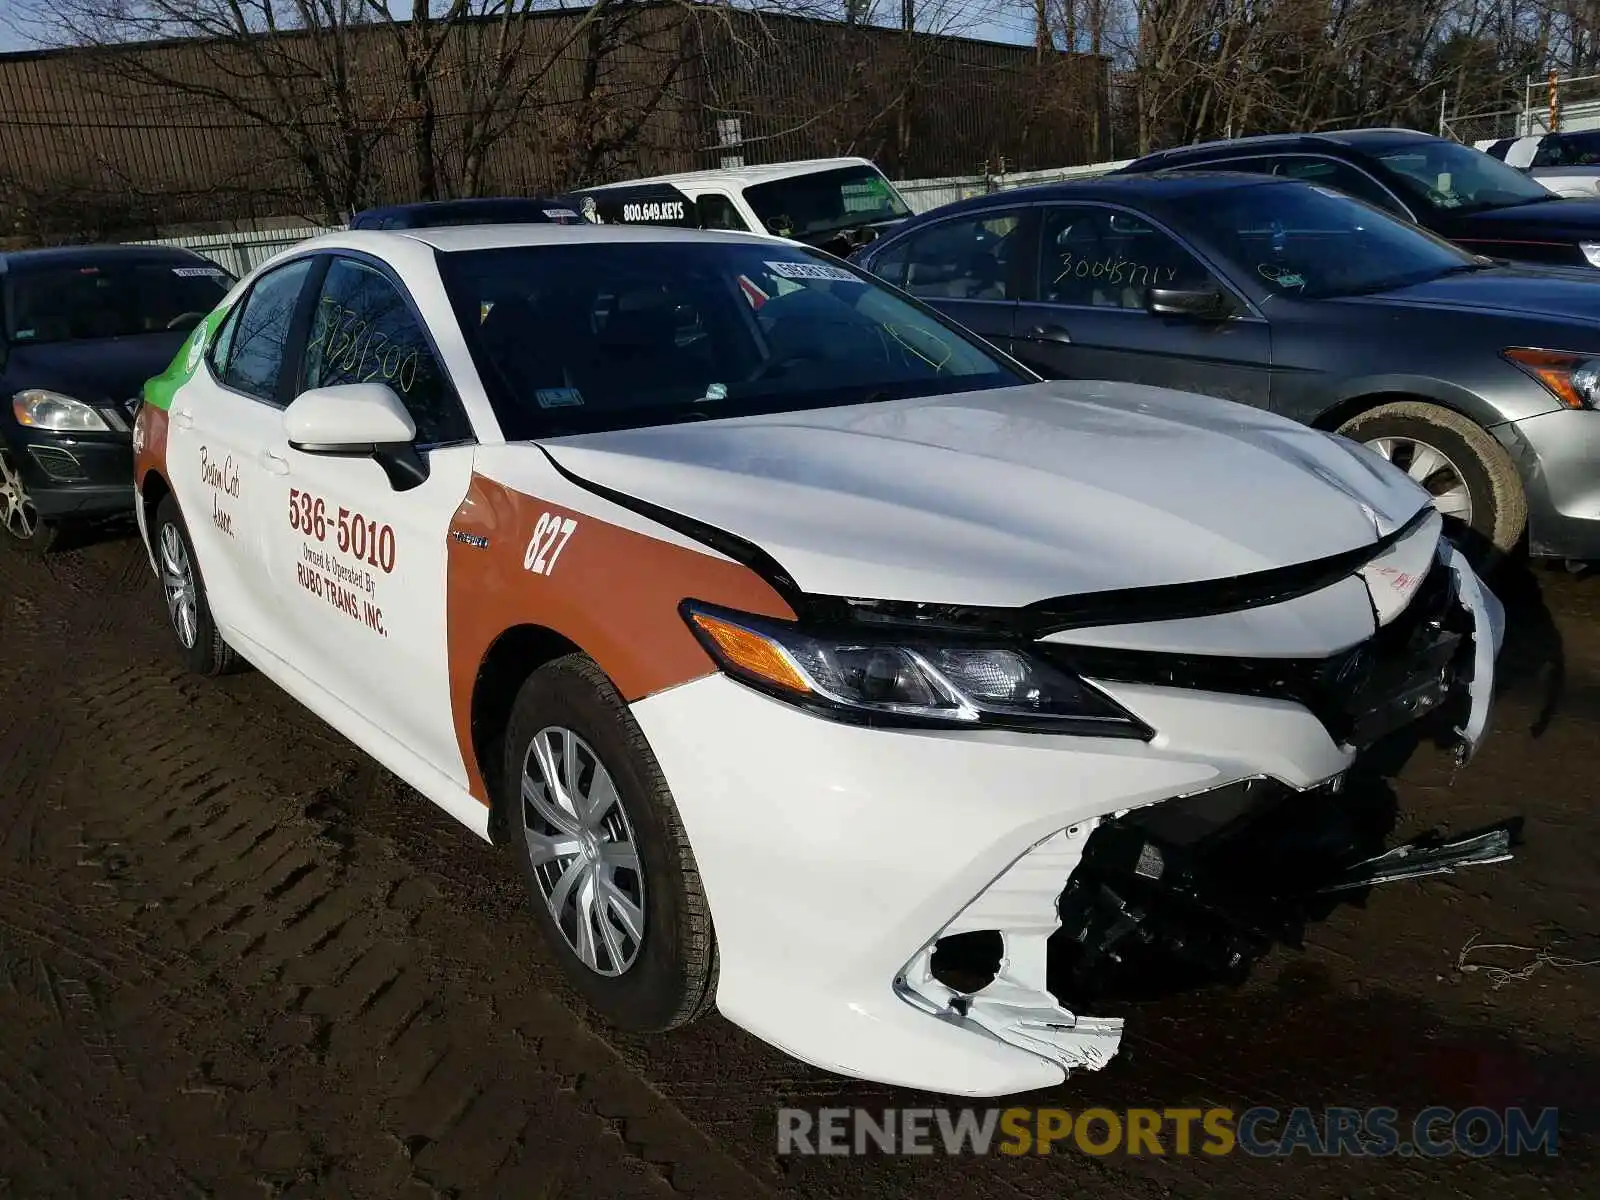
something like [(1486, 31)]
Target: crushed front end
[(1207, 881), (932, 907)]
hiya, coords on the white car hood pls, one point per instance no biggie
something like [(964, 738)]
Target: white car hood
[(1009, 496)]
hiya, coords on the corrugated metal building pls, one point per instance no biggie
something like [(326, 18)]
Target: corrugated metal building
[(138, 140)]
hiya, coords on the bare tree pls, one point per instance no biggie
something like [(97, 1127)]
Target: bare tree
[(362, 99)]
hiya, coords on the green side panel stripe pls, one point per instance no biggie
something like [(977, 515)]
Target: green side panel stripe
[(158, 392)]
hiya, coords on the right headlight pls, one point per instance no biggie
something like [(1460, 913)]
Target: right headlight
[(1591, 251), (879, 678)]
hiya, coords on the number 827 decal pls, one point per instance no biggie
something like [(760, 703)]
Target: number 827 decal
[(550, 536)]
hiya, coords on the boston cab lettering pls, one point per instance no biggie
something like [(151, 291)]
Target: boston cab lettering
[(671, 210), (550, 536), (223, 479)]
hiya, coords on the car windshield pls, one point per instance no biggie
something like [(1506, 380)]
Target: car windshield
[(1451, 177), (591, 336), (806, 205), (110, 299), (1301, 239)]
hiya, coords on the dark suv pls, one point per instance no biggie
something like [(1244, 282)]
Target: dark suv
[(83, 327), (1460, 193)]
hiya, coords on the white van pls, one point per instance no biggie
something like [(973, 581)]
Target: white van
[(836, 204)]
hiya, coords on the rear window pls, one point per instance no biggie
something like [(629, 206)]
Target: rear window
[(67, 304), (576, 338)]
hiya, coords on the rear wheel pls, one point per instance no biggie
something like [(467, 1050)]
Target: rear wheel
[(24, 528), (614, 884), (188, 613), (1472, 479)]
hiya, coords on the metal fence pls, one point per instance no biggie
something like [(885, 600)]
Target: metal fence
[(242, 252)]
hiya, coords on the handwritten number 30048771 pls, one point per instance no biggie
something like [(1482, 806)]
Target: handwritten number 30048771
[(550, 536)]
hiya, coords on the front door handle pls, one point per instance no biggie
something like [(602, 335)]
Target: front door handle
[(1052, 333), (274, 463), (183, 418)]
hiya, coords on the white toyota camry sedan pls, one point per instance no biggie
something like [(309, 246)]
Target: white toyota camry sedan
[(820, 664)]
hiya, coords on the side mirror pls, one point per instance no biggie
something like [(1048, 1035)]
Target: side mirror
[(1207, 304), (358, 420)]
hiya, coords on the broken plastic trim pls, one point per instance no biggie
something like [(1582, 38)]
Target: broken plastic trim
[(1016, 1006), (1430, 855), (1123, 606)]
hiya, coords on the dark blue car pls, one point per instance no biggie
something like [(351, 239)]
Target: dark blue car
[(83, 327)]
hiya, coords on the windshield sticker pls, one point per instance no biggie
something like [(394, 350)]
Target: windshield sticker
[(563, 397), (562, 214), (24, 334), (755, 295), (805, 270), (716, 391), (866, 196), (197, 272), (1280, 276)]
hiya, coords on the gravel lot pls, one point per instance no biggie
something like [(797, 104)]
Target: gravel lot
[(239, 959)]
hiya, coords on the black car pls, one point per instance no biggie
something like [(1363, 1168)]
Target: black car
[(483, 210), (1480, 379), (1459, 193), (83, 328)]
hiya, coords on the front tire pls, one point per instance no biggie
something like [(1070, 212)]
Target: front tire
[(1472, 479), (614, 884), (182, 589), (21, 526)]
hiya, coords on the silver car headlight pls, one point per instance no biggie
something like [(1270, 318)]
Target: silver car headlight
[(1572, 377), (1591, 252), (39, 408), (884, 679)]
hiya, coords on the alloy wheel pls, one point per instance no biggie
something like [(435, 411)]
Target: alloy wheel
[(583, 852), (1434, 470), (177, 584), (17, 512)]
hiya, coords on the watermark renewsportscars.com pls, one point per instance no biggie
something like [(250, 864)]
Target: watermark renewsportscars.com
[(1435, 1132)]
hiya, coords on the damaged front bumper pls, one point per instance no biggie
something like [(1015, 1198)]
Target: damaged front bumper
[(914, 907)]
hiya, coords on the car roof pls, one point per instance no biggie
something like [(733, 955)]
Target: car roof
[(1151, 185), (745, 176), (1354, 139), (88, 256), (427, 213), (450, 239)]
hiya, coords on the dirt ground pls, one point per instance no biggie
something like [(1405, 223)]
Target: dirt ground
[(238, 959)]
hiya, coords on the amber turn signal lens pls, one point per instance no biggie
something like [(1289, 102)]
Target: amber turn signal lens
[(1554, 369), (752, 653)]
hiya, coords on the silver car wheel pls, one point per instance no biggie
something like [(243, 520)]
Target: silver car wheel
[(582, 850), (177, 584), (1434, 470), (20, 517)]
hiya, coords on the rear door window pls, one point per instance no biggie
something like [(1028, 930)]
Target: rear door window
[(248, 355)]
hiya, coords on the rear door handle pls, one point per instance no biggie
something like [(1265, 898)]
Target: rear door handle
[(274, 463), (183, 419), (1052, 333)]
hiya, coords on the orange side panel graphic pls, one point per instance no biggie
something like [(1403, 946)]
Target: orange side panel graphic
[(612, 592), (150, 442)]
